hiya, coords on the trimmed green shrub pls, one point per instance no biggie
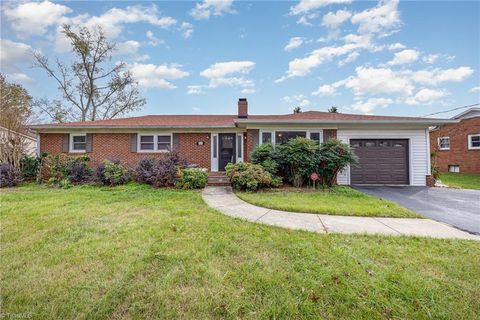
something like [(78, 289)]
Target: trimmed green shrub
[(112, 173), (248, 176), (332, 157), (55, 169), (29, 166), (266, 156), (297, 159), (192, 178)]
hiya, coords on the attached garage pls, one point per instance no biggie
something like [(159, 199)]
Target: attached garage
[(381, 161)]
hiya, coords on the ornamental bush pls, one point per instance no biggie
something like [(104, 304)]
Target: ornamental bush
[(112, 173), (192, 178), (297, 159), (57, 168), (266, 156), (249, 176), (29, 166), (9, 175), (332, 157), (160, 172)]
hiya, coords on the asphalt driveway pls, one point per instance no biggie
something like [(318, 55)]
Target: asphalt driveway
[(457, 207)]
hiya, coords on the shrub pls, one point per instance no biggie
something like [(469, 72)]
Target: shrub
[(112, 173), (297, 159), (192, 178), (55, 169), (248, 176), (29, 166), (160, 172), (9, 175), (266, 156), (332, 157)]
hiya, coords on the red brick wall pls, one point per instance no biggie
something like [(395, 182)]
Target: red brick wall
[(249, 143), (468, 160), (116, 146)]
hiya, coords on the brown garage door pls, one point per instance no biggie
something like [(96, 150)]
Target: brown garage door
[(381, 161)]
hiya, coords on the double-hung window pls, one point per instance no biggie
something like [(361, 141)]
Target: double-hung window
[(78, 142), (154, 142), (474, 141), (444, 143)]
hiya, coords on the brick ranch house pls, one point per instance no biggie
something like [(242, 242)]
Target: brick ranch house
[(458, 144), (392, 150)]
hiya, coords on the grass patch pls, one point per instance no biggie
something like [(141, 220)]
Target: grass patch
[(142, 253), (339, 200), (461, 180)]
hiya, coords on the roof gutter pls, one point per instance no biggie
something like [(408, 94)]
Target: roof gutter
[(60, 127), (429, 122)]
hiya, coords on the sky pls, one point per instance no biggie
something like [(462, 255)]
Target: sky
[(409, 58)]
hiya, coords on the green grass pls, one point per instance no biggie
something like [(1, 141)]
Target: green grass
[(336, 201), (461, 180), (142, 253)]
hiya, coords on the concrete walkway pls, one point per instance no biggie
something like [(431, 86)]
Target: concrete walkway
[(225, 201)]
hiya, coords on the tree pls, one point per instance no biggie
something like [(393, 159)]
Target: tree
[(15, 111), (333, 109), (92, 87), (297, 110)]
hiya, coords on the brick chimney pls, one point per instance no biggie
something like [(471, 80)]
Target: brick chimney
[(243, 108)]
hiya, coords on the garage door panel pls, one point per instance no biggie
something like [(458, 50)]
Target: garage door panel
[(381, 161)]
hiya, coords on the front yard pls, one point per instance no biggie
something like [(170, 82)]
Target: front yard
[(139, 252), (461, 180), (339, 200)]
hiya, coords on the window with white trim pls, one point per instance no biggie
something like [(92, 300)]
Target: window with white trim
[(282, 136), (473, 141), (444, 143), (315, 136), (267, 137), (78, 142), (154, 142)]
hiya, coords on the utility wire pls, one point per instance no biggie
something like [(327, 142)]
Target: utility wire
[(458, 108)]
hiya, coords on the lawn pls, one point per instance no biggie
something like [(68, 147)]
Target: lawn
[(138, 252), (461, 180), (339, 200)]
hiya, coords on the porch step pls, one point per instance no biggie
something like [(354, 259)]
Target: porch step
[(217, 179)]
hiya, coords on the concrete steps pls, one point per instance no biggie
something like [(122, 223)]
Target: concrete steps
[(217, 179)]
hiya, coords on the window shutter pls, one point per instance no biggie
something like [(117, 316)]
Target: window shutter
[(175, 142), (133, 142), (65, 142), (88, 145)]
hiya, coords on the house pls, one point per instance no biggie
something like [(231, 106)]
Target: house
[(457, 145), (27, 140), (392, 150)]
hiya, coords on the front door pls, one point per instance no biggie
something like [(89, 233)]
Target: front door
[(227, 150)]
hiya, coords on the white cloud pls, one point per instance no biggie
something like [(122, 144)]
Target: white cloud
[(372, 103), (186, 29), (325, 90), (396, 46), (20, 77), (207, 8), (195, 90), (128, 47), (334, 20), (475, 89), (438, 76), (350, 58), (405, 56), (150, 75), (294, 43), (34, 18), (305, 6), (14, 52), (297, 100), (230, 73), (379, 19), (152, 40), (248, 90), (426, 96), (431, 58)]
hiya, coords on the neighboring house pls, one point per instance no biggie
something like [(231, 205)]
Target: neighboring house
[(29, 140), (392, 150), (458, 144)]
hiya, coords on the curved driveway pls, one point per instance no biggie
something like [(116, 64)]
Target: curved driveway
[(457, 207)]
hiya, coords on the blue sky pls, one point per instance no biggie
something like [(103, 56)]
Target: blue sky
[(388, 57)]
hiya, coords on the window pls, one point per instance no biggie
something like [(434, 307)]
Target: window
[(266, 137), (474, 141), (239, 146), (154, 143), (283, 136), (78, 142), (163, 143), (453, 168), (315, 136), (215, 145), (444, 143)]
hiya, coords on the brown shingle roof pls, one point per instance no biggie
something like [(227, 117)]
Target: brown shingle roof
[(207, 121)]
